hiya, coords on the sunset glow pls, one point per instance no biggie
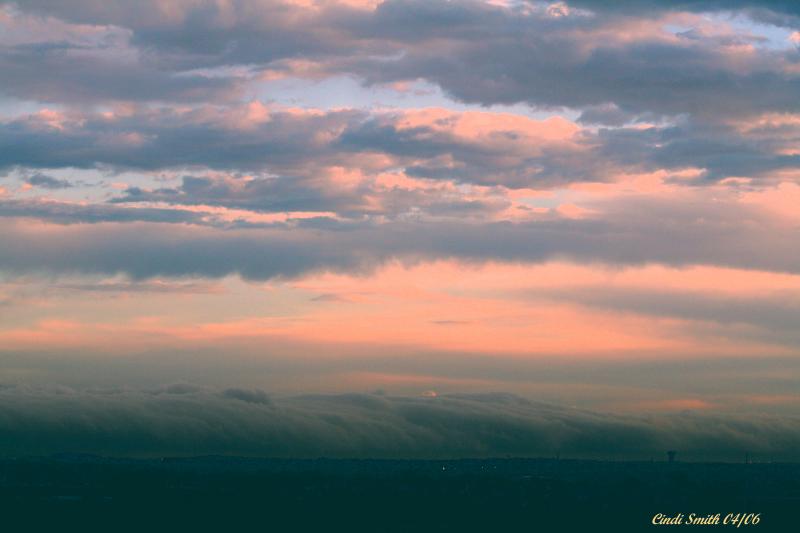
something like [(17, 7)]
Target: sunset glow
[(570, 202)]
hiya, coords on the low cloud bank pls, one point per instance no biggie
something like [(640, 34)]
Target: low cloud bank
[(190, 420)]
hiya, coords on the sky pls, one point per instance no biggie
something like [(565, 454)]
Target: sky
[(319, 218)]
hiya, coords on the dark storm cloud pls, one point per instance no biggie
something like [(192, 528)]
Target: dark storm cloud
[(130, 422)]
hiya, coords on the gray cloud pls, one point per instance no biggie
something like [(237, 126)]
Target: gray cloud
[(264, 195), (81, 78), (287, 144), (629, 381), (47, 182), (629, 232), (257, 194), (638, 7), (153, 139), (188, 287), (779, 311), (248, 395), (719, 151), (287, 194), (70, 213), (546, 69), (309, 145), (131, 422), (476, 52), (769, 318)]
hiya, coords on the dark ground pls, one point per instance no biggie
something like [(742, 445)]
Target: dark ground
[(82, 493)]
